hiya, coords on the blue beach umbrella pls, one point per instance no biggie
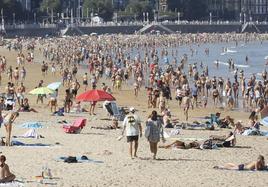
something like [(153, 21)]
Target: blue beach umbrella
[(54, 85)]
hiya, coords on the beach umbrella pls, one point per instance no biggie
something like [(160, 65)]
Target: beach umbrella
[(41, 91), (95, 95), (54, 85)]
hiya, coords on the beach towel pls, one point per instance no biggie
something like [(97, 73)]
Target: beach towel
[(255, 132), (174, 132), (79, 159), (19, 143), (188, 139), (221, 168), (31, 133), (12, 184), (31, 125), (166, 135)]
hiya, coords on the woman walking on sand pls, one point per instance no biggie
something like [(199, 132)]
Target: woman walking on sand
[(153, 131)]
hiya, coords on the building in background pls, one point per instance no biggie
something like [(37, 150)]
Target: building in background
[(257, 9), (235, 9)]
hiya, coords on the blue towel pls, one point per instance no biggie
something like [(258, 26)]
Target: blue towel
[(18, 143), (31, 125)]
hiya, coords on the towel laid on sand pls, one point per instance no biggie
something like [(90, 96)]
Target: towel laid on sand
[(31, 125), (12, 184), (77, 159), (220, 168), (188, 139), (255, 132), (18, 143)]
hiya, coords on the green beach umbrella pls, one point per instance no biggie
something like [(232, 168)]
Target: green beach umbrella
[(41, 91)]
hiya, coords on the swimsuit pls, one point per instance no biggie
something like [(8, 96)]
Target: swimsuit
[(241, 167)]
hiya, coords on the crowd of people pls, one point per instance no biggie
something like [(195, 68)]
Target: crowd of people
[(138, 62)]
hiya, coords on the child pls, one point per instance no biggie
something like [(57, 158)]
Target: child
[(205, 101)]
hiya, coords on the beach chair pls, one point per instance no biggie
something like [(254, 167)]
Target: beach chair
[(118, 112), (76, 126)]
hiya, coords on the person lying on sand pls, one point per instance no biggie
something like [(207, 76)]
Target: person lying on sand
[(226, 122), (220, 141), (239, 128), (225, 141), (5, 174), (182, 145), (259, 164)]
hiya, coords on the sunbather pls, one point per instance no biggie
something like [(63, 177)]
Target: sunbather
[(25, 106), (77, 108), (5, 174), (239, 129), (226, 122), (220, 141), (253, 121), (182, 145), (225, 141), (254, 165)]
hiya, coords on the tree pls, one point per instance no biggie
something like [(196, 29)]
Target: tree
[(195, 10), (175, 5), (103, 8), (51, 4), (137, 7), (9, 7)]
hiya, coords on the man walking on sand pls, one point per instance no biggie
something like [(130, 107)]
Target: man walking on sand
[(132, 125)]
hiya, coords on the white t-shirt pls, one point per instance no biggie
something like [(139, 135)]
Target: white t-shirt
[(131, 122)]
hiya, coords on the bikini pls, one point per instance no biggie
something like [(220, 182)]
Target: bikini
[(241, 167)]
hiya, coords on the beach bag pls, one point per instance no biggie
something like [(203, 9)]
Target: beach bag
[(208, 144), (147, 131), (70, 159)]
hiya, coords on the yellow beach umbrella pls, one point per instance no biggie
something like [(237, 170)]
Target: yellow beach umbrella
[(41, 91)]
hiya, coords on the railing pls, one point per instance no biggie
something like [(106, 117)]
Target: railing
[(137, 23), (30, 26)]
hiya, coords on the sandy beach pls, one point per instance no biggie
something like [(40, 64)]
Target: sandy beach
[(173, 168)]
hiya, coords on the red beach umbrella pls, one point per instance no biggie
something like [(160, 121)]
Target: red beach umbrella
[(95, 95)]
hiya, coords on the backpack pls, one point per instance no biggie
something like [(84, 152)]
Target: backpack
[(208, 144), (70, 159)]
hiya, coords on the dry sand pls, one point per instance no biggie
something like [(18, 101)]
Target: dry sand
[(175, 167)]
